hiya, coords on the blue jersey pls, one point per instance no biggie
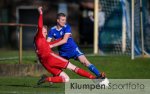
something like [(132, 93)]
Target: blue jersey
[(56, 34)]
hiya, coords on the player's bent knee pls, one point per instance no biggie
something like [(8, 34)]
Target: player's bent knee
[(64, 76), (67, 79)]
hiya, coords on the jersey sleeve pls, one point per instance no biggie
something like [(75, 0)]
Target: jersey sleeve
[(68, 29), (40, 26), (50, 33)]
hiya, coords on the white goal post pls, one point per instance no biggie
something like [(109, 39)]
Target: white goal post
[(132, 30), (96, 4)]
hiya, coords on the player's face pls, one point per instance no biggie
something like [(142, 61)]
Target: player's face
[(44, 31), (61, 21)]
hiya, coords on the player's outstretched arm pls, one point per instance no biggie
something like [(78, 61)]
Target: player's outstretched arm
[(40, 10), (63, 41), (40, 21), (55, 41)]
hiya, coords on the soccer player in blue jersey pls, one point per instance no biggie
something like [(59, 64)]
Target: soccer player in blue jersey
[(67, 47)]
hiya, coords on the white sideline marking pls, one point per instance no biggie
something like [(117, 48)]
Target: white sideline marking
[(16, 57), (24, 57)]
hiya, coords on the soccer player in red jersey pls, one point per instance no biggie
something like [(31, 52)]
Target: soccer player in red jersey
[(52, 62)]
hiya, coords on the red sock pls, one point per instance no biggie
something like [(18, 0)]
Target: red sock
[(56, 79), (84, 73)]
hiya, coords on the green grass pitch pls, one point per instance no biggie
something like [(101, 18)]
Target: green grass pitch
[(115, 67)]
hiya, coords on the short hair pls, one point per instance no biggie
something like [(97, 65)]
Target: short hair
[(45, 26), (61, 15)]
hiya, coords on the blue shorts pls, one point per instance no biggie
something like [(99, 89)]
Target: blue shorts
[(71, 54)]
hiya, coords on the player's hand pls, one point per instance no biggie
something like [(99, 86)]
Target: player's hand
[(40, 10), (51, 46)]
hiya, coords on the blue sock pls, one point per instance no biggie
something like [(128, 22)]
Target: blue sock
[(93, 69)]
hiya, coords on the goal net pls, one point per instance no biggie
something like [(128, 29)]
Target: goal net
[(115, 34)]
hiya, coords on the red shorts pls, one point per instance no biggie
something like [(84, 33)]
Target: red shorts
[(54, 63)]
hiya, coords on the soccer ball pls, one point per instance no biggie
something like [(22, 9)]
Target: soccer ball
[(104, 82)]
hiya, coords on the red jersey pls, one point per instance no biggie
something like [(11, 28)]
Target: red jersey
[(42, 46), (51, 61)]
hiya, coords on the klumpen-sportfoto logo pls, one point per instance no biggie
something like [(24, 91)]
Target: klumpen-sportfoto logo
[(111, 86), (115, 86)]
